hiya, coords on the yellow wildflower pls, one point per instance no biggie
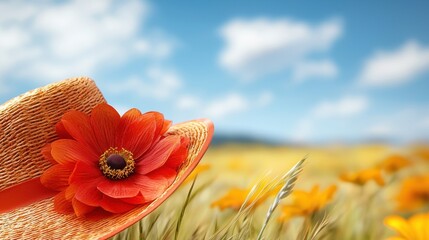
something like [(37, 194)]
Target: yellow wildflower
[(394, 163), (414, 193), (236, 197), (421, 152), (199, 169), (306, 203), (415, 228), (363, 176)]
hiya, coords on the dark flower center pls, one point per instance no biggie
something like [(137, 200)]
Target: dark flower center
[(116, 161), (117, 164)]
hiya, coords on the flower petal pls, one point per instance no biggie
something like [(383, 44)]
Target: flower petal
[(61, 204), (138, 136), (57, 177), (86, 179), (61, 131), (115, 205), (79, 127), (104, 121), (155, 183), (163, 174), (89, 194), (124, 188), (81, 209), (46, 152), (400, 225), (158, 155), (162, 125), (129, 117), (70, 151), (167, 124), (71, 191), (179, 155), (139, 199), (83, 173)]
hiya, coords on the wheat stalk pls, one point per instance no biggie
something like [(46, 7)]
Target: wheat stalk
[(320, 227), (244, 210), (290, 178)]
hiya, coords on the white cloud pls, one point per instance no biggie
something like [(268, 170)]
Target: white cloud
[(261, 46), (264, 99), (380, 130), (303, 130), (425, 122), (324, 69), (344, 107), (222, 106), (391, 125), (47, 41), (164, 82), (188, 102), (157, 83), (230, 104), (395, 67)]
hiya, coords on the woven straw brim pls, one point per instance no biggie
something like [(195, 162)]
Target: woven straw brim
[(27, 124)]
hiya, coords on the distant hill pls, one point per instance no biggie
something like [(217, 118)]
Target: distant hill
[(227, 138), (221, 139)]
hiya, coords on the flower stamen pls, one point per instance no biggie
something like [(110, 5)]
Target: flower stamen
[(117, 164)]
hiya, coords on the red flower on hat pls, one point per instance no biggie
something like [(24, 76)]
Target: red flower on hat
[(111, 162)]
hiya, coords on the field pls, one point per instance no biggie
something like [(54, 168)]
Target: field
[(343, 192)]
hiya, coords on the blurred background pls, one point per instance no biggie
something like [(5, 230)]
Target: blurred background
[(342, 82), (263, 71)]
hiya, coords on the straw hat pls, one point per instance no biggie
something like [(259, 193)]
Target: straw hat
[(26, 125)]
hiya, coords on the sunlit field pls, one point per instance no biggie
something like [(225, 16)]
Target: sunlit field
[(343, 192)]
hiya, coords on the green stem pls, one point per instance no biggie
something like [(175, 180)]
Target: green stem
[(182, 212)]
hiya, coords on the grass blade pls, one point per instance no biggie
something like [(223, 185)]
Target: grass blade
[(290, 179), (182, 212)]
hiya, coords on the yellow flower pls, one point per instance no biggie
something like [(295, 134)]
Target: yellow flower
[(415, 228), (199, 169), (306, 203), (414, 193), (421, 152), (233, 199), (394, 163), (236, 197), (363, 176)]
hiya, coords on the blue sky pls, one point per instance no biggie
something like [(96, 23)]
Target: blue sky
[(281, 70)]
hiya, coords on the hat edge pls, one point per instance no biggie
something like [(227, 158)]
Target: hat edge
[(210, 131), (5, 105)]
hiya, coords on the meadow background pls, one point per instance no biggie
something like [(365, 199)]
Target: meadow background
[(343, 84)]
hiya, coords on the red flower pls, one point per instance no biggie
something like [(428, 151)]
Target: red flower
[(111, 162)]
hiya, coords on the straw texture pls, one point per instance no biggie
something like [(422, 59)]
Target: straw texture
[(27, 124)]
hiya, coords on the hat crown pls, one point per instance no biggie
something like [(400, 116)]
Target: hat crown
[(27, 123)]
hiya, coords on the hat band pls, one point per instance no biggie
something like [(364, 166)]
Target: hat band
[(23, 194)]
